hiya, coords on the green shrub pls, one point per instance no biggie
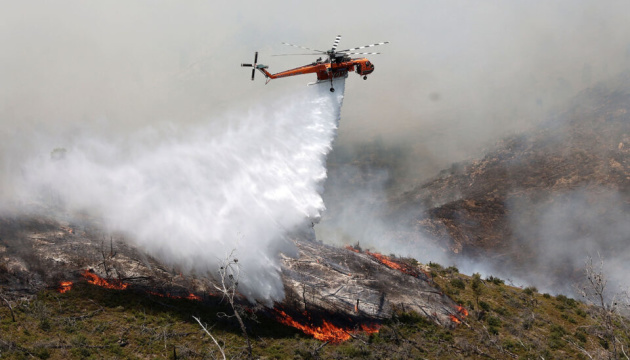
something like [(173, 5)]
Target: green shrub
[(484, 305), (354, 351), (571, 302), (458, 283), (493, 321), (42, 353), (452, 269), (580, 335), (45, 324), (561, 298), (509, 344), (530, 290), (495, 280), (557, 331)]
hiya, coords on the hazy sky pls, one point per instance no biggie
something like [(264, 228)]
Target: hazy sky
[(455, 75)]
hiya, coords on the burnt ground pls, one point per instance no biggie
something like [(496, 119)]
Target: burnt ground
[(38, 252)]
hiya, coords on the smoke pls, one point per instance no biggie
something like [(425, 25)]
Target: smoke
[(189, 195), (357, 212), (555, 236)]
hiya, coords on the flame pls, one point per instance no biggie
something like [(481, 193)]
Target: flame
[(326, 332), (64, 286), (94, 279), (97, 280), (370, 329), (348, 247), (462, 314), (454, 319), (190, 296), (386, 260)]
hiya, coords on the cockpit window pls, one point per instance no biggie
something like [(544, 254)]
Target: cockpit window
[(367, 63)]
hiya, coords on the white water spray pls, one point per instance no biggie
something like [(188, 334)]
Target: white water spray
[(189, 200)]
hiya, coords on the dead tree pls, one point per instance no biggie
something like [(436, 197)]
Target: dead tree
[(594, 291), (229, 273), (108, 259)]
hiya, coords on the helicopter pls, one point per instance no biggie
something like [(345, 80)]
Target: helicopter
[(337, 64)]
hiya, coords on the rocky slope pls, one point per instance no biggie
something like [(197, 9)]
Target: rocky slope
[(565, 185)]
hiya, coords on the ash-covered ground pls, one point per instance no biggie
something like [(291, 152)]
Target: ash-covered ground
[(338, 284)]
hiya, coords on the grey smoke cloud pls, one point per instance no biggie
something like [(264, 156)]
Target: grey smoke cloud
[(556, 234)]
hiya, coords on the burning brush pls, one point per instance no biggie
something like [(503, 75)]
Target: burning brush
[(460, 315), (327, 332), (390, 263)]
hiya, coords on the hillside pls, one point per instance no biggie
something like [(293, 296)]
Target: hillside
[(92, 322), (537, 202), (534, 207)]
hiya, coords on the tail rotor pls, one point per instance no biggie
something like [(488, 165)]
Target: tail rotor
[(253, 66)]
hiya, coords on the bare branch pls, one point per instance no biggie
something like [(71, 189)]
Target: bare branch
[(9, 305), (229, 273), (212, 337)]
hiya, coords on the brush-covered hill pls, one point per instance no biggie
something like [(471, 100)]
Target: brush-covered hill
[(501, 322), (541, 201)]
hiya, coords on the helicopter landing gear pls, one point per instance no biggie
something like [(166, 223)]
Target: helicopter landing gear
[(364, 77)]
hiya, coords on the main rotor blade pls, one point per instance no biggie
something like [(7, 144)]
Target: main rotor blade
[(247, 65), (253, 73), (256, 58), (302, 47), (334, 47), (362, 53), (366, 46), (295, 54)]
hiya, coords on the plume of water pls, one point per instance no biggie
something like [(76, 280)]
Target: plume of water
[(190, 196)]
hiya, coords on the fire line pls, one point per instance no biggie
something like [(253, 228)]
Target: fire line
[(327, 331), (97, 280)]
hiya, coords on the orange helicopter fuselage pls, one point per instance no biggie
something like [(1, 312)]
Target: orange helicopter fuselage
[(326, 70)]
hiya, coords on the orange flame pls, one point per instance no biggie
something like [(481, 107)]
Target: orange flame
[(190, 296), (370, 329), (386, 260), (64, 286), (97, 280), (461, 312), (348, 247), (327, 332)]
